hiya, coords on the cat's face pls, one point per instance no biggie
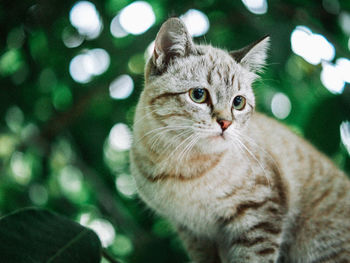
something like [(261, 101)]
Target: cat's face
[(199, 95)]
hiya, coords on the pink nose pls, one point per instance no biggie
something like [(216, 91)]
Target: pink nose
[(224, 124)]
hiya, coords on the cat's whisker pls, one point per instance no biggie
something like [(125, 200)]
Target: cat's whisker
[(193, 144), (185, 153), (165, 129), (180, 145), (246, 159), (250, 140), (169, 128), (199, 126), (175, 141), (145, 116), (156, 137), (254, 157), (181, 154), (204, 130)]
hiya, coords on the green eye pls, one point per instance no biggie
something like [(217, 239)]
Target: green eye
[(239, 102), (198, 95)]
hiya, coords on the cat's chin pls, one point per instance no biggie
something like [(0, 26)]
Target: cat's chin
[(215, 143), (218, 137)]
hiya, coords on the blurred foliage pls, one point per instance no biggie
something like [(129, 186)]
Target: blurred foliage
[(54, 148), (26, 231)]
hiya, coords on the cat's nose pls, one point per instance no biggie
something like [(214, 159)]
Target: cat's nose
[(224, 124)]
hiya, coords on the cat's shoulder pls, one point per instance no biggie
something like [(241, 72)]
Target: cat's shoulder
[(265, 126), (262, 119)]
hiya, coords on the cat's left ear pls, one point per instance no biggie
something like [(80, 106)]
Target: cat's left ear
[(253, 56), (173, 40)]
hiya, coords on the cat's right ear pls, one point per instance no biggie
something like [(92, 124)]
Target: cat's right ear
[(253, 56), (173, 40)]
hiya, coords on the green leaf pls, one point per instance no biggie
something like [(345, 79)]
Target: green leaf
[(10, 62), (32, 235)]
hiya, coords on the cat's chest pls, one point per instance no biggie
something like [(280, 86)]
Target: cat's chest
[(194, 203)]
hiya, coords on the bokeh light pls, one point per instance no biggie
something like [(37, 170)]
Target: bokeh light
[(62, 154), (15, 38), (104, 229), (85, 66), (116, 160), (116, 29), (99, 61), (120, 137), (71, 38), (314, 48), (122, 246), (344, 21), (29, 131), (343, 66), (14, 118), (197, 22), (345, 134), (257, 7), (61, 97), (121, 87), (10, 62), (38, 194), (79, 70), (21, 168), (137, 17), (86, 19), (136, 63), (331, 78), (281, 106), (70, 179), (8, 144), (126, 185), (331, 6)]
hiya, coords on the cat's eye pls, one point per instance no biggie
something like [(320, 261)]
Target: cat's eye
[(198, 95), (239, 102)]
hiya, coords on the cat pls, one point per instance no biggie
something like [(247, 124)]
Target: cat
[(238, 186)]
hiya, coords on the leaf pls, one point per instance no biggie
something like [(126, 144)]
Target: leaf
[(37, 236)]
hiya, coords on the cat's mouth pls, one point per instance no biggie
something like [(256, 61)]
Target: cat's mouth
[(219, 136)]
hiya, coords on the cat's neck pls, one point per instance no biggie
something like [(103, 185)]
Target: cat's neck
[(158, 164)]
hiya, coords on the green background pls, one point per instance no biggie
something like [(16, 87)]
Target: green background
[(51, 126)]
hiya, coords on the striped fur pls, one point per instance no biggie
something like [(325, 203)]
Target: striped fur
[(255, 192)]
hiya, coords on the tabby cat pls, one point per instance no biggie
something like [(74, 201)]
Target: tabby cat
[(237, 185)]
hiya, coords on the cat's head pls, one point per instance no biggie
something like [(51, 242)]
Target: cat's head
[(198, 93)]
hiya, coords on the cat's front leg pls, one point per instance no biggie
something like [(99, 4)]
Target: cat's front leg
[(199, 249), (260, 243)]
